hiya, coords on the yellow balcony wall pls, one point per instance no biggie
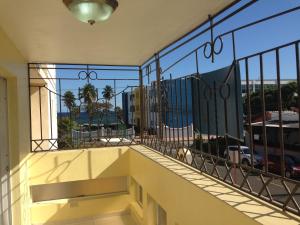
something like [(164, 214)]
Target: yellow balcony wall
[(74, 165), (164, 181)]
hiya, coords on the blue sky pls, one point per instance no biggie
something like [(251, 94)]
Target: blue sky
[(260, 37)]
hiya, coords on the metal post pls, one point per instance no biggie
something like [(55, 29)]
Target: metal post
[(142, 108), (212, 38), (29, 97), (158, 90)]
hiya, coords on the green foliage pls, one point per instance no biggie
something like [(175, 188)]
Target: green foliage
[(69, 100), (288, 96), (107, 93), (89, 95), (65, 126)]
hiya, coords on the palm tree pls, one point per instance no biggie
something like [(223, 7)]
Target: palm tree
[(69, 101), (107, 95), (89, 95)]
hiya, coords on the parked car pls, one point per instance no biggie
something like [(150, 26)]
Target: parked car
[(292, 165), (245, 155)]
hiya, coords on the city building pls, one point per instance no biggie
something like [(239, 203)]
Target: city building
[(130, 106)]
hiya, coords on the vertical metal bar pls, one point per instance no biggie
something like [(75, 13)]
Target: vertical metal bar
[(164, 110), (40, 106), (212, 38), (142, 106), (216, 119), (132, 111), (208, 122), (59, 88), (169, 107), (249, 112), (298, 80), (237, 111), (233, 45), (115, 102), (172, 109), (145, 103), (50, 103), (156, 116), (152, 106), (148, 102), (226, 128), (177, 110), (262, 96), (187, 112), (281, 141), (199, 112), (193, 94), (29, 98), (158, 78), (181, 112), (197, 62)]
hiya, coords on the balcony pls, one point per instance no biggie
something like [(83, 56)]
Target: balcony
[(196, 125)]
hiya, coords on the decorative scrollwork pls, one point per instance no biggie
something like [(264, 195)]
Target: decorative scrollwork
[(212, 47), (87, 75)]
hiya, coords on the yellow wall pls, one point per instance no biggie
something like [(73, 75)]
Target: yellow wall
[(73, 165), (185, 203), (79, 208), (13, 67)]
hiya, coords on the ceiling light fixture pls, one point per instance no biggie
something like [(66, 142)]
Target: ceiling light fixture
[(91, 11)]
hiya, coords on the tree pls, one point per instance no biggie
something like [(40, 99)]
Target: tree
[(69, 101), (288, 95), (89, 95), (107, 95), (65, 127)]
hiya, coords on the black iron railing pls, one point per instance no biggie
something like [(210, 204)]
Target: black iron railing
[(73, 106), (250, 140)]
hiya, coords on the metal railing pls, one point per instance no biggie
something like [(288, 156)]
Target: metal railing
[(73, 106), (249, 141)]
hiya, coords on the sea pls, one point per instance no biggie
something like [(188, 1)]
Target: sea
[(107, 119)]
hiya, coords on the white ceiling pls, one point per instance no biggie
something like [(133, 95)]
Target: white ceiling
[(45, 31)]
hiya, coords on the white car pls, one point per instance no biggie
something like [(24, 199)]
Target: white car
[(245, 155)]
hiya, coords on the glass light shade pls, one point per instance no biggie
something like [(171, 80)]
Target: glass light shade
[(91, 11)]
